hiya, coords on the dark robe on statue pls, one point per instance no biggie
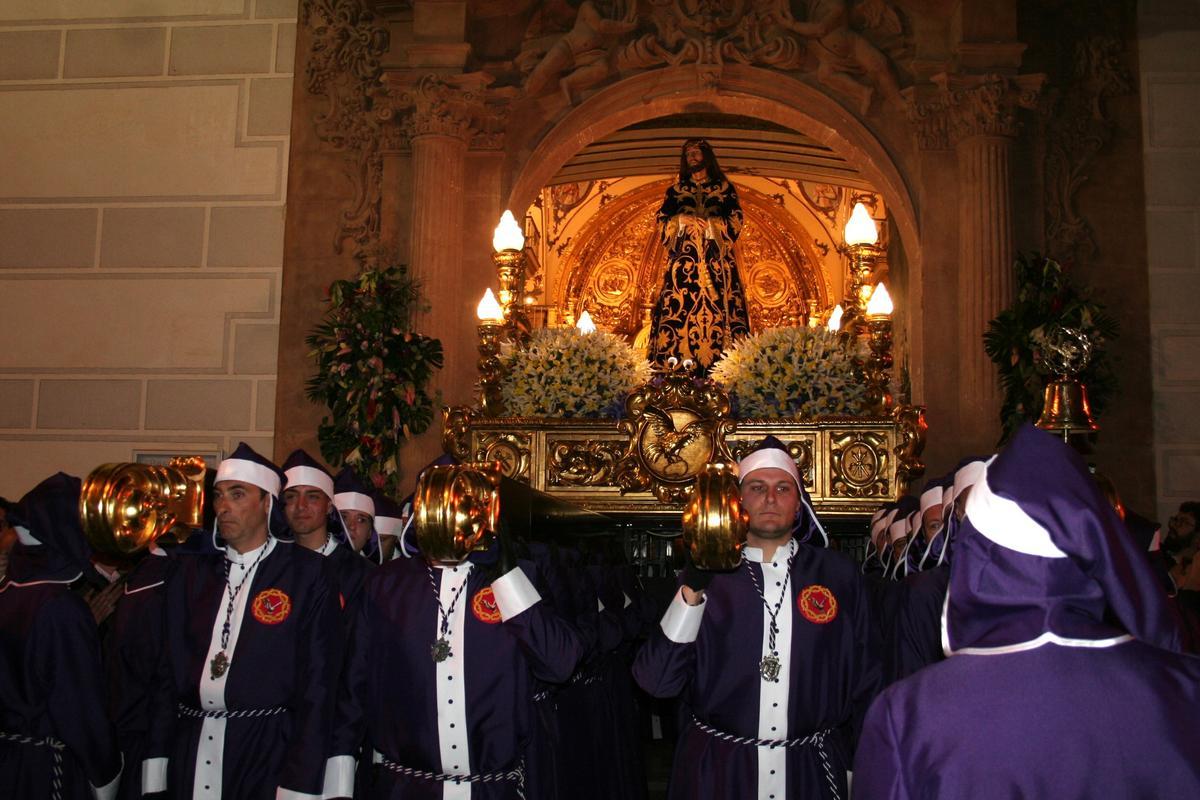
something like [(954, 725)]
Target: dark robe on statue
[(701, 309)]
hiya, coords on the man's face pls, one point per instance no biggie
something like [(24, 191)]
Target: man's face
[(358, 528), (241, 510), (1181, 529), (694, 157), (306, 509), (771, 500), (931, 521)]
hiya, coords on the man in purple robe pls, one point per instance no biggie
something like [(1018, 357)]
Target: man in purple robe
[(244, 697), (55, 737), (315, 523), (468, 640), (776, 661), (1042, 696)]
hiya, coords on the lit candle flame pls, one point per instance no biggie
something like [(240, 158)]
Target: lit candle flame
[(489, 309), (860, 229), (585, 324), (880, 304), (835, 319), (508, 235)]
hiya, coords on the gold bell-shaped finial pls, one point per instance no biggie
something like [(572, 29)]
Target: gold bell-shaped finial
[(1065, 408)]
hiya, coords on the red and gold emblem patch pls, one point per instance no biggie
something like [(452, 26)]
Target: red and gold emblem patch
[(484, 606), (817, 604), (271, 606)]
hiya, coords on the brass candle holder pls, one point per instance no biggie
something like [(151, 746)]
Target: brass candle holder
[(861, 236), (508, 246), (492, 331), (878, 368)]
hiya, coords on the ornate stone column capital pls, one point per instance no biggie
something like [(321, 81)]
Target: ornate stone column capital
[(458, 106), (986, 105), (955, 107)]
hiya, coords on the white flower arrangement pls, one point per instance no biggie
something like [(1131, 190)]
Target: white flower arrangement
[(565, 373), (791, 373)]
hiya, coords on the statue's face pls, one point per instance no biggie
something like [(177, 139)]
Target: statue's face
[(694, 156)]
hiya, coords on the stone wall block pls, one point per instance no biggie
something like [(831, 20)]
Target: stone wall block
[(221, 50), (1176, 357), (246, 236), (264, 419), (1175, 418), (1171, 239), (270, 112), (1173, 121), (285, 48), (114, 52), (152, 237), (48, 237), (1183, 475), (77, 10), (1173, 178), (29, 55), (89, 404), (1173, 297), (255, 349), (201, 405), (16, 404), (275, 9)]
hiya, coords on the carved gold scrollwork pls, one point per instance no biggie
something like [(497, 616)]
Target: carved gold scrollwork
[(801, 451), (911, 421), (510, 450), (859, 462), (675, 426), (583, 462), (456, 432)]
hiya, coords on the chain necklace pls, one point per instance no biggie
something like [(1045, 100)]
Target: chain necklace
[(770, 665), (441, 648), (220, 662)]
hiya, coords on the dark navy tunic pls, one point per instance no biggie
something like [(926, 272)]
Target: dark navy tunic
[(284, 654), (469, 714)]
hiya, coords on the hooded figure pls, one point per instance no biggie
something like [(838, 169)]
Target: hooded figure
[(354, 501), (54, 727), (1041, 696), (775, 660)]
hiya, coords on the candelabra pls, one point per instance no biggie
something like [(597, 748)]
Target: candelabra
[(878, 368), (508, 246), (861, 236)]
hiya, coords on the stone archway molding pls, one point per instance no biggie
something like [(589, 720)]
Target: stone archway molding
[(739, 89)]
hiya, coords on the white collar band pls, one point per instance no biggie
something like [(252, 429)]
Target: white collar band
[(240, 469), (1004, 522), (354, 501), (309, 476)]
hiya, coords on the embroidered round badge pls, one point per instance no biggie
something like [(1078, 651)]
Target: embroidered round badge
[(484, 606), (817, 604), (271, 607)]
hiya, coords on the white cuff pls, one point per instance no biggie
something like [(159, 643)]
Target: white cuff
[(514, 594), (681, 623), (339, 776), (154, 775), (599, 604), (288, 794), (628, 602), (109, 790)]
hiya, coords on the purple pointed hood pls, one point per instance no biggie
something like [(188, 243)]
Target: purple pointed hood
[(50, 514), (1041, 554)]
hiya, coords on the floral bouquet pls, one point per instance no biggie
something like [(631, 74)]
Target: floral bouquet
[(791, 373), (372, 373), (565, 373)]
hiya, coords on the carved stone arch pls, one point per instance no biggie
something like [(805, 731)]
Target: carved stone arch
[(615, 271)]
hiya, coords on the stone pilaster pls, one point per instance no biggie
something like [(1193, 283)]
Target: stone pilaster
[(977, 116)]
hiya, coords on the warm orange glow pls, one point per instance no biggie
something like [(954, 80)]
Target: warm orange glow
[(585, 324), (835, 319)]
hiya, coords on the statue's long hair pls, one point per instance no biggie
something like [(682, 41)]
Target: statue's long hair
[(715, 175)]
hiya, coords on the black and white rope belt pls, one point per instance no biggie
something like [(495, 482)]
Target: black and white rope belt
[(816, 740), (542, 695), (515, 775), (241, 713), (56, 748)]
